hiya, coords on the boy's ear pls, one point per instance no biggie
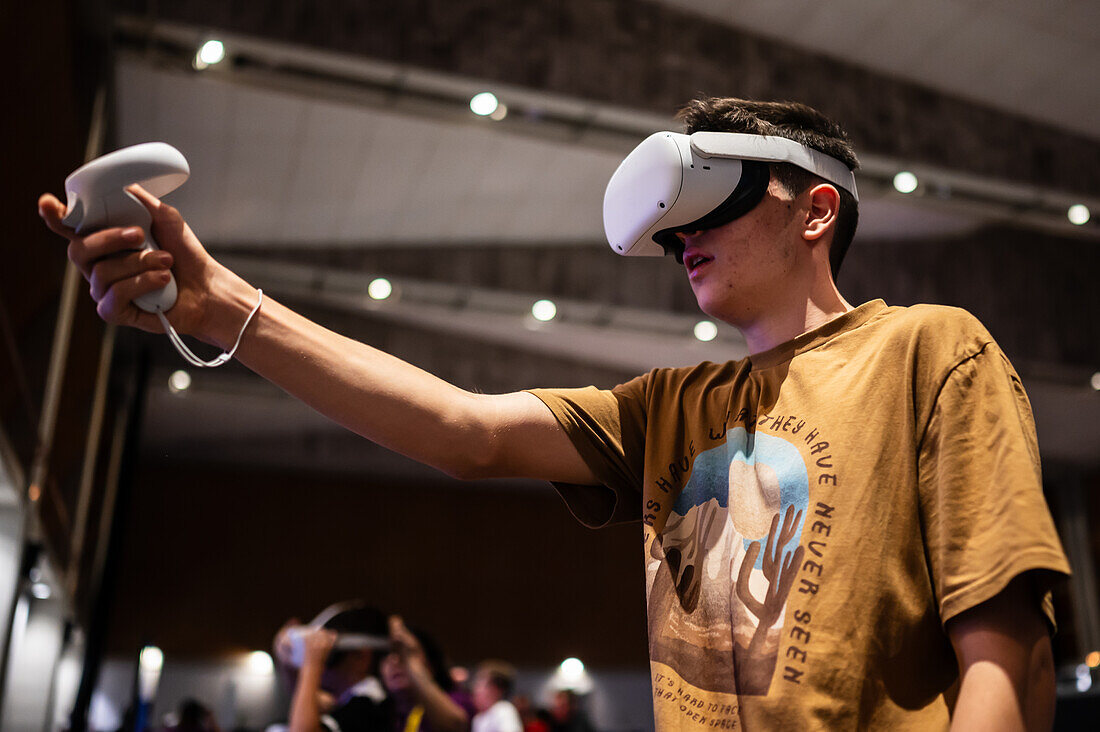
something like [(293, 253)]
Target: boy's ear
[(822, 212)]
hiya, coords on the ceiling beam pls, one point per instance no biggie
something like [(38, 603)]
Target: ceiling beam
[(424, 93), (653, 58)]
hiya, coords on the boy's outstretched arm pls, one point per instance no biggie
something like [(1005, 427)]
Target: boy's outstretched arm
[(368, 391)]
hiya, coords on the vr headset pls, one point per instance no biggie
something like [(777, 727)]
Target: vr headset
[(344, 641), (674, 183)]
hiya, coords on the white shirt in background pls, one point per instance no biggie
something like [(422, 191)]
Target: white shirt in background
[(501, 717)]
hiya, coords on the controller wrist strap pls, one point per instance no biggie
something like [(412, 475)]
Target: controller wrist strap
[(186, 352)]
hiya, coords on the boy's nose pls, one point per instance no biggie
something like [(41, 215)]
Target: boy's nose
[(685, 235)]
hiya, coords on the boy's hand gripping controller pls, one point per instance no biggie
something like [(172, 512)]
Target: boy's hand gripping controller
[(98, 199)]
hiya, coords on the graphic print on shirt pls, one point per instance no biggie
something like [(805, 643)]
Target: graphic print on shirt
[(720, 572)]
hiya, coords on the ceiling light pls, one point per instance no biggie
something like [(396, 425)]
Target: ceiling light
[(1095, 381), (484, 104), (41, 591), (151, 659), (259, 662), (499, 113), (1093, 659), (179, 381), (572, 668), (212, 52), (706, 330), (544, 310), (1078, 214), (379, 289), (1084, 677), (905, 182)]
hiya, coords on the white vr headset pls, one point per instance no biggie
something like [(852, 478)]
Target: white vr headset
[(674, 183), (344, 641)]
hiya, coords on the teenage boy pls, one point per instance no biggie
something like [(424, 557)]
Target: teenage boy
[(845, 529)]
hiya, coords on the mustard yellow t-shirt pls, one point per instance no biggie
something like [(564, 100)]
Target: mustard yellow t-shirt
[(813, 516)]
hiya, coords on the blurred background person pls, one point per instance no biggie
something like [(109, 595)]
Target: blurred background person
[(530, 715), (193, 716), (493, 684), (566, 714), (418, 679), (335, 683)]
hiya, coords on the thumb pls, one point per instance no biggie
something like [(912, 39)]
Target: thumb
[(169, 228)]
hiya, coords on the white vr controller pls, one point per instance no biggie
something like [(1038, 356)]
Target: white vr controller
[(98, 199)]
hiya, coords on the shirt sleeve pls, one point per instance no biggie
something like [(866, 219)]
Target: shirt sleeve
[(981, 493), (608, 429)]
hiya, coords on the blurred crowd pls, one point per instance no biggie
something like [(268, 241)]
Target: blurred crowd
[(356, 669)]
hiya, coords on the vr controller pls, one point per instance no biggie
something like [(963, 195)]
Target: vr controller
[(98, 199), (344, 642)]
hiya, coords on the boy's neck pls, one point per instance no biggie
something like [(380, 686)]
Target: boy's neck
[(794, 317)]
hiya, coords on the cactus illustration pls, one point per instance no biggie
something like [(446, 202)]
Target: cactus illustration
[(755, 666)]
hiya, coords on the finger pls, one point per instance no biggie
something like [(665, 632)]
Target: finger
[(87, 251), (117, 305), (398, 631), (107, 272), (52, 211), (151, 202)]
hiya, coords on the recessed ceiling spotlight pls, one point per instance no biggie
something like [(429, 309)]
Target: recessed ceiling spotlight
[(379, 289), (1084, 677), (484, 104), (151, 658), (210, 53), (259, 662), (544, 310), (705, 330), (905, 182), (179, 381), (1078, 214), (1094, 382), (572, 668)]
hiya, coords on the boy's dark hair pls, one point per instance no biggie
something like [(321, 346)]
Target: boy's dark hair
[(793, 121), (500, 674)]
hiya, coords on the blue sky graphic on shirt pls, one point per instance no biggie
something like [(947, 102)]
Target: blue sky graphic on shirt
[(762, 455)]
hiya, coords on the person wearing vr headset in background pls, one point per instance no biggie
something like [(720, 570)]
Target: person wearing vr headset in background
[(334, 688), (845, 529), (352, 670)]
